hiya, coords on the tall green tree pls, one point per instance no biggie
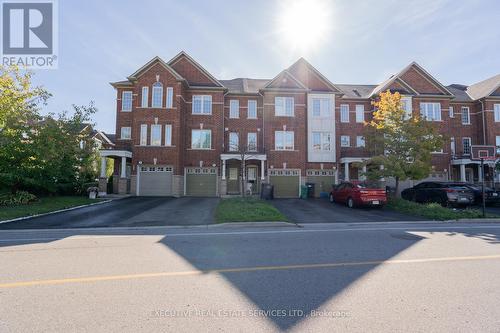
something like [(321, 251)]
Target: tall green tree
[(401, 145)]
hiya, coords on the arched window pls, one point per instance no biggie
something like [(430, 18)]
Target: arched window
[(157, 95)]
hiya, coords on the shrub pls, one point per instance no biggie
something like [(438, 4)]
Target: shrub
[(432, 211), (19, 198)]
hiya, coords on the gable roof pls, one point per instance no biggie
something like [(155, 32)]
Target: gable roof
[(302, 61), (150, 63), (282, 75), (244, 85), (484, 88), (384, 85), (459, 91), (355, 91), (183, 54)]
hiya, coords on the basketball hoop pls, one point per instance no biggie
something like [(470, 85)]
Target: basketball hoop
[(484, 153)]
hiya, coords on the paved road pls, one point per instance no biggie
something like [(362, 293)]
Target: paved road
[(134, 211), (322, 211), (319, 278)]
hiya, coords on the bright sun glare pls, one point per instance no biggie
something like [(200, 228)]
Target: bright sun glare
[(304, 24)]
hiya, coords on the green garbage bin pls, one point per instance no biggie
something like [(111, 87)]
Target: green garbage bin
[(303, 192)]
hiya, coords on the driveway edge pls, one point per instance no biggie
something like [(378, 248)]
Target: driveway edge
[(254, 224)]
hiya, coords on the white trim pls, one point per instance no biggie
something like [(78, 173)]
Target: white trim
[(127, 92), (143, 135), (112, 153), (145, 93), (260, 157), (151, 135), (256, 108)]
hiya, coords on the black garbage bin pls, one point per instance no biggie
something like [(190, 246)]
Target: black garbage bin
[(267, 191), (310, 190)]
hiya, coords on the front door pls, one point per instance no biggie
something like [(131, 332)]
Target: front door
[(252, 183), (233, 182)]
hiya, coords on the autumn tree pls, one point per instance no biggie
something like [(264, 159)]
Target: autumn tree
[(400, 144)]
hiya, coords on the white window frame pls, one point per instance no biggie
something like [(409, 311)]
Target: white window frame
[(451, 112), (233, 174), (344, 113), (360, 141), (201, 131), (253, 102), (320, 107), (465, 110), (284, 106), (360, 113), (168, 134), (285, 137), (234, 109), (205, 104), (497, 143), (145, 97), (249, 147), (431, 111), (407, 106), (463, 145), (496, 112), (155, 129), (170, 98), (345, 141), (453, 147), (157, 92), (233, 141), (325, 141), (144, 135), (127, 102), (126, 133)]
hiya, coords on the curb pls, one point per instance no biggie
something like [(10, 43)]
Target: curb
[(253, 224), (57, 211)]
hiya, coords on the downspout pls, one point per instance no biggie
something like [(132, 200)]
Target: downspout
[(484, 128), (263, 132), (223, 117)]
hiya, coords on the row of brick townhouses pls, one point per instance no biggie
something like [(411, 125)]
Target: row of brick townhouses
[(180, 131)]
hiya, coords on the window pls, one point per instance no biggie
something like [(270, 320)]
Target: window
[(431, 111), (360, 141), (344, 113), (321, 107), (157, 95), (284, 140), (497, 143), (345, 141), (360, 113), (252, 109), (465, 115), (127, 101), (284, 106), (452, 146), (466, 143), (144, 135), (201, 139), (234, 108), (233, 173), (168, 135), (252, 141), (496, 110), (451, 112), (144, 95), (322, 141), (170, 97), (234, 144), (202, 104), (155, 135), (125, 133), (407, 107)]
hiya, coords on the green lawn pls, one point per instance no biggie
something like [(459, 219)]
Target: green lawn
[(246, 210), (434, 211), (44, 205)]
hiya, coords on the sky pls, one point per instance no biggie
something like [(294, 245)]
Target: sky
[(358, 42)]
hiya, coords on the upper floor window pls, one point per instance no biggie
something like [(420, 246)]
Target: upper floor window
[(344, 113), (155, 135), (284, 106), (201, 139), (234, 108), (168, 135), (234, 141), (466, 143), (407, 107), (252, 141), (125, 133), (431, 111), (144, 135), (321, 107), (360, 141), (127, 101), (345, 141), (497, 142), (465, 115), (157, 101), (452, 146), (322, 141), (496, 111), (170, 97), (202, 104), (360, 113), (144, 97), (451, 112), (284, 140), (252, 109)]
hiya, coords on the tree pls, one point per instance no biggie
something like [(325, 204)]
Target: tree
[(245, 152), (401, 145)]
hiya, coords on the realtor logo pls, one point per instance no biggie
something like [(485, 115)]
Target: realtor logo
[(29, 33)]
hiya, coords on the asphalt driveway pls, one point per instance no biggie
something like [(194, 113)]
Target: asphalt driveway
[(322, 211), (129, 212)]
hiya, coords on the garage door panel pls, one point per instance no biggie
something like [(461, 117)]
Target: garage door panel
[(322, 180), (286, 182), (155, 181), (201, 182)]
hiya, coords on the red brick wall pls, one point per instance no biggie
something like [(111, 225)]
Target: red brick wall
[(191, 73), (417, 81)]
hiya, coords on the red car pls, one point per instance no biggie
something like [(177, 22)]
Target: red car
[(358, 194)]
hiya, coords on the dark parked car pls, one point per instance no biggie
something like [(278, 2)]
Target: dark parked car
[(444, 193), (358, 194), (491, 196)]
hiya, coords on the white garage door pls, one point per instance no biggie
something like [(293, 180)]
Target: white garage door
[(155, 180)]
